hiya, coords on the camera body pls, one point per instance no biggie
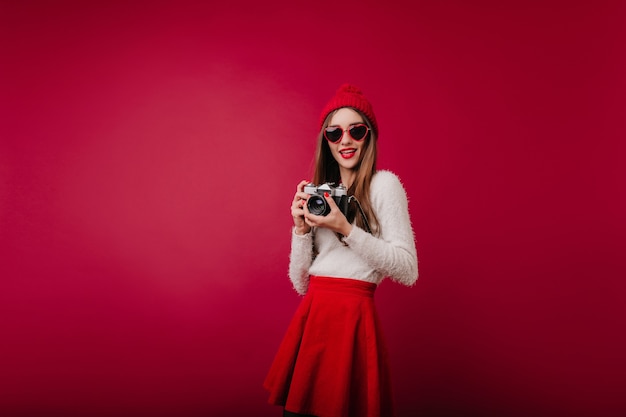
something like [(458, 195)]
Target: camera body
[(318, 205)]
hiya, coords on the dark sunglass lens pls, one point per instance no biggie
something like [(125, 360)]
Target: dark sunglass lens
[(358, 132), (333, 134)]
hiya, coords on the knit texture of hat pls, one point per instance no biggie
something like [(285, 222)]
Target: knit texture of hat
[(349, 95)]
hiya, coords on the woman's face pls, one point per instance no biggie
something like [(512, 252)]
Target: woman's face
[(347, 151)]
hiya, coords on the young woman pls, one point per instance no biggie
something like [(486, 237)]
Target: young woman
[(333, 361)]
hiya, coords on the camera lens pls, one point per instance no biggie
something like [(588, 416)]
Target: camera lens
[(318, 206)]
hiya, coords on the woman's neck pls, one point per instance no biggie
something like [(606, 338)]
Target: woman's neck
[(347, 177)]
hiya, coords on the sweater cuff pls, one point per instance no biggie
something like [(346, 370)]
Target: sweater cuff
[(356, 235)]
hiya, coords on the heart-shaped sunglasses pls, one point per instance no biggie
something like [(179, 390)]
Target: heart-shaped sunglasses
[(357, 132)]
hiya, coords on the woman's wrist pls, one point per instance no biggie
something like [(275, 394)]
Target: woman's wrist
[(346, 230), (300, 231)]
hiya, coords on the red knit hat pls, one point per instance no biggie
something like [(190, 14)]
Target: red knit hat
[(349, 95)]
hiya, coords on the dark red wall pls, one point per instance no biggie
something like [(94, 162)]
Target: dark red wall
[(149, 153)]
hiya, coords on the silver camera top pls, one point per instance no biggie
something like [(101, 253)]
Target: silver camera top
[(326, 188)]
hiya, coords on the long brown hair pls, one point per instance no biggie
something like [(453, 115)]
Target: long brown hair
[(327, 170)]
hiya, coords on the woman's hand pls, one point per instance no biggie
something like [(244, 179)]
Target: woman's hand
[(335, 220), (297, 209)]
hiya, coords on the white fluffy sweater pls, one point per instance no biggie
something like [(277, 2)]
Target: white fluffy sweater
[(364, 257)]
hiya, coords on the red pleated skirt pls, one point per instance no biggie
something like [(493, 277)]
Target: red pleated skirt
[(333, 360)]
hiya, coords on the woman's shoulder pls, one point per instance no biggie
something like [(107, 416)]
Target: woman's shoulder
[(386, 183), (385, 178)]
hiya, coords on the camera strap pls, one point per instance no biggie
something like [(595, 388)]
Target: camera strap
[(367, 225)]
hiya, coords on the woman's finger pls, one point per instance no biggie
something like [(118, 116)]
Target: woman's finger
[(301, 185)]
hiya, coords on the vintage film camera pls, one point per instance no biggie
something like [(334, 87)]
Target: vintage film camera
[(318, 205)]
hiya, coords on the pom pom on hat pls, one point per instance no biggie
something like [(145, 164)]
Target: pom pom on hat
[(349, 95)]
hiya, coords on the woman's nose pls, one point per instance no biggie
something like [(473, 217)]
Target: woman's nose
[(345, 137)]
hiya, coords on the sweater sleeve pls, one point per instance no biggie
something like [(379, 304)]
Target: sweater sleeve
[(393, 251), (300, 260)]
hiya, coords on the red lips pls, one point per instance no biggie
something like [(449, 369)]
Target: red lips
[(347, 153)]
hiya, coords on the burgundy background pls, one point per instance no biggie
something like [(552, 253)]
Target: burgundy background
[(149, 152)]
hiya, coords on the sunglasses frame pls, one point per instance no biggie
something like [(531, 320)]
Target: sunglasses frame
[(343, 131)]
